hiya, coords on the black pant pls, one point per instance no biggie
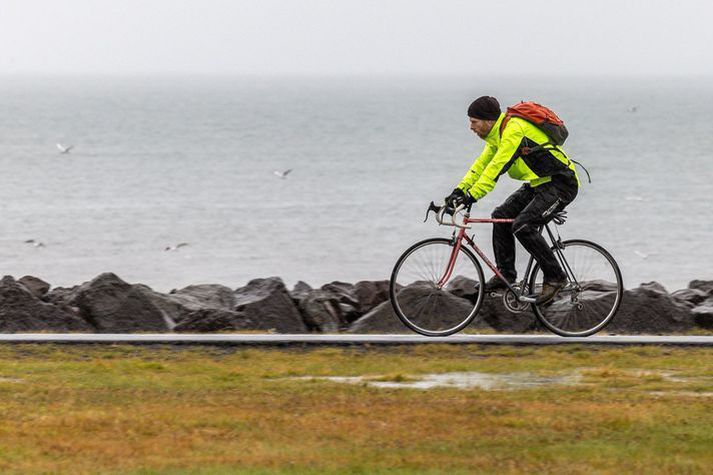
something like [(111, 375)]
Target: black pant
[(531, 208)]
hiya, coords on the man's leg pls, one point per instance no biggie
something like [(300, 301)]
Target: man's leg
[(547, 201), (503, 239)]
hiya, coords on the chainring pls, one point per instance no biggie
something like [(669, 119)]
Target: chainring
[(512, 303)]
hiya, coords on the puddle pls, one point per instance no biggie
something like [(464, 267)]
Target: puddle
[(465, 380), (681, 393), (518, 381)]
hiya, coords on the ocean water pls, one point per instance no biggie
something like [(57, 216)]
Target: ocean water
[(166, 160)]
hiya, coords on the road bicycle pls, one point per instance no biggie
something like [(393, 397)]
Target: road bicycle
[(432, 277)]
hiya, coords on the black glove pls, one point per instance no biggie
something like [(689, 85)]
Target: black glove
[(459, 197), (456, 195), (468, 200)]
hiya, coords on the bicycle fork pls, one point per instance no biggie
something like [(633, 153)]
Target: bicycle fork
[(452, 260)]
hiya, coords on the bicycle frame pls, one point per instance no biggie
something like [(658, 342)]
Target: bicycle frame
[(461, 235)]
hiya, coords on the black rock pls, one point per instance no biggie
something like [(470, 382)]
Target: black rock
[(494, 314), (370, 293), (300, 291), (703, 314), (114, 306), (650, 309), (492, 311), (179, 304), (322, 312), (267, 304), (440, 311), (702, 285), (22, 311), (35, 285), (689, 297), (214, 320)]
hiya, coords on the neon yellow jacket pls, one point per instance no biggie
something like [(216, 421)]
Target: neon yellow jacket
[(503, 154)]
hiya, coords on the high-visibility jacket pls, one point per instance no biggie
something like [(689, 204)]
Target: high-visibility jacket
[(505, 154)]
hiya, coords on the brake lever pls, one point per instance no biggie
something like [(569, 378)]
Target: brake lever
[(434, 208)]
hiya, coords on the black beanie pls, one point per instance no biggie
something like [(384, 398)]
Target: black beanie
[(484, 108)]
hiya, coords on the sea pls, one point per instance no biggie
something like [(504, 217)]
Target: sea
[(162, 161)]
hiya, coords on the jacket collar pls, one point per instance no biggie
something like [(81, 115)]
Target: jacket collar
[(493, 137)]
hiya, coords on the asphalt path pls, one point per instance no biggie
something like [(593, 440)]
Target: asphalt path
[(254, 339)]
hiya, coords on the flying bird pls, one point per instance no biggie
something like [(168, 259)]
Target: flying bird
[(282, 175), (176, 247), (63, 149), (644, 255), (633, 109), (35, 243)]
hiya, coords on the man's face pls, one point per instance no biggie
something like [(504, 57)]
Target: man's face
[(481, 127)]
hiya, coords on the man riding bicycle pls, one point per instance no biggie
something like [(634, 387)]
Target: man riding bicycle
[(526, 153)]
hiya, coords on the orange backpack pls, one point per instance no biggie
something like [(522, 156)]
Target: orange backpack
[(541, 117)]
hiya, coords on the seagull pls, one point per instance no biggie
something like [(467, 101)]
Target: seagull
[(643, 255), (632, 109), (176, 247), (63, 149), (282, 175), (35, 243)]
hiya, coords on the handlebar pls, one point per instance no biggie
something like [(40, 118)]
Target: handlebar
[(441, 211)]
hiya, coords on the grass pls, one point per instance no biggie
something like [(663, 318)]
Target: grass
[(157, 409)]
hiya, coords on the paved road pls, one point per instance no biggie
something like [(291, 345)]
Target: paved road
[(346, 340)]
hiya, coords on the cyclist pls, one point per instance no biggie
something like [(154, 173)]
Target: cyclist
[(525, 153)]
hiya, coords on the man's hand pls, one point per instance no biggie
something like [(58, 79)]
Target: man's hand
[(456, 195), (459, 197)]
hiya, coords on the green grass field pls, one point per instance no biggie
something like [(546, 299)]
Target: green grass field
[(159, 409)]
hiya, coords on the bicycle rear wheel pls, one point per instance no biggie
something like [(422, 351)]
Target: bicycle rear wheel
[(592, 295), (427, 295)]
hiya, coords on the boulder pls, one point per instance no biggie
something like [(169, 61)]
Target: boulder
[(650, 309), (35, 285), (321, 312), (179, 304), (495, 315), (463, 287), (214, 320), (703, 314), (114, 306), (492, 311), (267, 304), (702, 285), (370, 293), (689, 297), (358, 299), (440, 307), (345, 295), (300, 291), (22, 311)]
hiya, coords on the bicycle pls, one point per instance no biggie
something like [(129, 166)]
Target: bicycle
[(427, 273)]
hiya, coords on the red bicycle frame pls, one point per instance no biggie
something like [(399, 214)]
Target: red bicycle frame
[(459, 240)]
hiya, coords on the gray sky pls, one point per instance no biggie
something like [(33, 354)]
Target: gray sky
[(371, 37)]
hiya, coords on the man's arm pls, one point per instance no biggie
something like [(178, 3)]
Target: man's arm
[(509, 147), (477, 168)]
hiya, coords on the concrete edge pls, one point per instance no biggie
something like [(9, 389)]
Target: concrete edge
[(346, 340)]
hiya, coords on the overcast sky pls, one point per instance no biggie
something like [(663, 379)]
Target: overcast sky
[(365, 37)]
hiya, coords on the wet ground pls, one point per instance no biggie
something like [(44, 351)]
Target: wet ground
[(517, 381)]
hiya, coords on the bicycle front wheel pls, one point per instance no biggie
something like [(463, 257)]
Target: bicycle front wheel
[(592, 295), (434, 290)]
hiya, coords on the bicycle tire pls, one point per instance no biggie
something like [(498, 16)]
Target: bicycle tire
[(403, 293), (556, 315)]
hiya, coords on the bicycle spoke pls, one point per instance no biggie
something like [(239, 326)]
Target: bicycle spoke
[(417, 298), (592, 296)]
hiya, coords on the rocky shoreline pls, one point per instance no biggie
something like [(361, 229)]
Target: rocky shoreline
[(107, 304)]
